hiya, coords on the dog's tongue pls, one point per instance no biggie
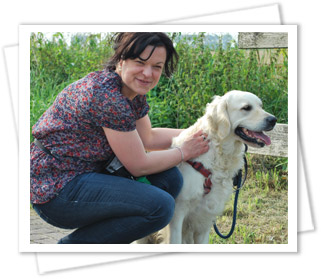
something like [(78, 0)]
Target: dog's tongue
[(262, 137)]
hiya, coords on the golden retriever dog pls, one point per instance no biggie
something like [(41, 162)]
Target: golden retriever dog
[(229, 121)]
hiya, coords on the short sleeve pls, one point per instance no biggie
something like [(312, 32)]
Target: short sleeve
[(112, 110), (141, 106), (109, 108)]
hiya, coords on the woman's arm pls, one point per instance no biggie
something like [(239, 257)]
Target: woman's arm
[(130, 150), (155, 138)]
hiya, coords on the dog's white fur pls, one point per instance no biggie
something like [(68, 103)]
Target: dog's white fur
[(194, 211)]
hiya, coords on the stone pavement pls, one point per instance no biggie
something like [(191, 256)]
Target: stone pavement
[(44, 233)]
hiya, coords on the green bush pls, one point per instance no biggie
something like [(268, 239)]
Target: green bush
[(203, 71)]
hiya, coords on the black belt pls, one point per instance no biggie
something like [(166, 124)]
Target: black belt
[(44, 149)]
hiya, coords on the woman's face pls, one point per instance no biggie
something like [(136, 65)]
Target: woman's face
[(140, 76)]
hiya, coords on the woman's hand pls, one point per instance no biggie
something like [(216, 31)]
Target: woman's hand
[(129, 149), (195, 146)]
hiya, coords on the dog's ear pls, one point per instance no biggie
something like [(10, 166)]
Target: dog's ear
[(224, 124), (218, 118)]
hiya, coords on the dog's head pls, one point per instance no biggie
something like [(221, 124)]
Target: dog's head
[(240, 114)]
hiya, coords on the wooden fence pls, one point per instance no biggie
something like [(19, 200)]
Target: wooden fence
[(279, 145), (265, 40)]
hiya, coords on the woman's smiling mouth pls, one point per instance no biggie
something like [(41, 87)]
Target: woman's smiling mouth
[(143, 82)]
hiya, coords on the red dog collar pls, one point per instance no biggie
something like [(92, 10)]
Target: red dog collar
[(205, 172)]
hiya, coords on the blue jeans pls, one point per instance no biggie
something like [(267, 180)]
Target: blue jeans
[(111, 209)]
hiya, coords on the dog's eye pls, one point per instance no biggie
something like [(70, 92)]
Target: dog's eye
[(247, 108)]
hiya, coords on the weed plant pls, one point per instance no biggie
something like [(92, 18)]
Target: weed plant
[(203, 71)]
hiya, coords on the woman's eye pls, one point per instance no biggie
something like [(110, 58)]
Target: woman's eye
[(139, 62)]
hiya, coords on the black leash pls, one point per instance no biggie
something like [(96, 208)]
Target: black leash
[(239, 184)]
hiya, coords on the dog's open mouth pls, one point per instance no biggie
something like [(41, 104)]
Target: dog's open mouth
[(256, 138)]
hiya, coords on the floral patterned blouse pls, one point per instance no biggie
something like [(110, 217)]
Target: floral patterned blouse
[(72, 130)]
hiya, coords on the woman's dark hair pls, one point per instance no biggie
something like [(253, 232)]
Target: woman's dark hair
[(130, 45)]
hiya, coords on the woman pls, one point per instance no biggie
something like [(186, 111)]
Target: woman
[(102, 115)]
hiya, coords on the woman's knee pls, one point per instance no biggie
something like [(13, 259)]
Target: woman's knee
[(163, 211), (171, 181), (176, 183)]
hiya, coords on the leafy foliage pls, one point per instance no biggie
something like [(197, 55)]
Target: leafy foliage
[(203, 71)]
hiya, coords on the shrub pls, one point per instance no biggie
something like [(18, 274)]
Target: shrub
[(203, 71)]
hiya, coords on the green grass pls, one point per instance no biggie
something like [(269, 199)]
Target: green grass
[(262, 205)]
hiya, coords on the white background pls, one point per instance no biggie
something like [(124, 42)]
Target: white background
[(304, 13)]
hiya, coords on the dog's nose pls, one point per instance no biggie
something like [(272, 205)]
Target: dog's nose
[(271, 121)]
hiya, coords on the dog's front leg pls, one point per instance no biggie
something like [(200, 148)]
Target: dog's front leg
[(202, 238), (176, 227)]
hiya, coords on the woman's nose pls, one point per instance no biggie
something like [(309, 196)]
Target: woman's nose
[(147, 71)]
